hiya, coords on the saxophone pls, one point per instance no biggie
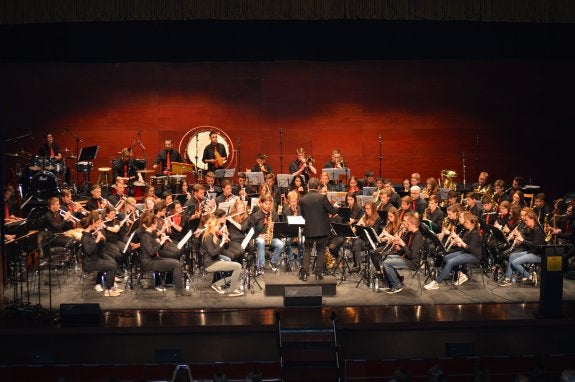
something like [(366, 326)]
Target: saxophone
[(549, 235), (329, 259), (269, 229)]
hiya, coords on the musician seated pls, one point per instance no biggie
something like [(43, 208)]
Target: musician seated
[(68, 205), (262, 221), (469, 252), (226, 195), (405, 254), (242, 189), (473, 205), (96, 202), (211, 187), (11, 209), (369, 219), (292, 208), (526, 245), (95, 257), (238, 226), (150, 246), (57, 222), (212, 245)]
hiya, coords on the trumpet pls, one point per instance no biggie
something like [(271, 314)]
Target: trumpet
[(309, 160), (107, 202), (63, 214)]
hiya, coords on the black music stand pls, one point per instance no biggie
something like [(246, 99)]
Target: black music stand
[(285, 232), (382, 216), (87, 154), (434, 247), (222, 173), (335, 173), (368, 235), (254, 178), (345, 213), (343, 230)]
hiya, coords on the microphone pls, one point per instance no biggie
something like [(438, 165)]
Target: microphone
[(281, 131), (140, 143), (379, 138)]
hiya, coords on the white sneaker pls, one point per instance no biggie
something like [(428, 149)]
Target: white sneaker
[(111, 293), (117, 289), (161, 288), (431, 285), (236, 293), (98, 288), (218, 288), (461, 279)]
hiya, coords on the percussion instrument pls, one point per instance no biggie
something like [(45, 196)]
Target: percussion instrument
[(75, 233), (85, 166), (42, 185), (175, 183), (37, 163), (159, 183), (138, 189)]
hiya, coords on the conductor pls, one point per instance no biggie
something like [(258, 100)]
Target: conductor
[(165, 158), (315, 209), (215, 154)]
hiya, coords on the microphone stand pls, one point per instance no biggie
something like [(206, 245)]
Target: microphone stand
[(380, 156), (281, 151), (78, 140), (463, 163), (239, 161), (198, 171)]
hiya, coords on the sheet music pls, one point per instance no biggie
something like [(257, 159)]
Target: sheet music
[(297, 220), (284, 180), (248, 237), (226, 206), (185, 239)]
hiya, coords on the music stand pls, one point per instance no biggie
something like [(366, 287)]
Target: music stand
[(226, 206), (369, 235), (87, 154), (345, 213), (335, 173), (368, 191), (284, 180), (362, 199), (224, 173), (343, 230), (254, 178), (499, 235), (336, 196), (382, 215)]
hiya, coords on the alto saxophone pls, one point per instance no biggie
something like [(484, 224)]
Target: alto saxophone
[(269, 229)]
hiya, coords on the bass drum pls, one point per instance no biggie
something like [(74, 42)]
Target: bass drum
[(44, 185), (195, 141)]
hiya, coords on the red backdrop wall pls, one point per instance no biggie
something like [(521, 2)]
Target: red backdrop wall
[(507, 118)]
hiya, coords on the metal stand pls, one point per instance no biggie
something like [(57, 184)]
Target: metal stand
[(281, 152), (250, 277), (380, 156)]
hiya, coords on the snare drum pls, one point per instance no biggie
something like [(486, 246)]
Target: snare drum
[(138, 189), (36, 164), (159, 183), (54, 165), (175, 182), (85, 166)]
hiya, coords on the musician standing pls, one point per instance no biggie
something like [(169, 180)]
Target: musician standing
[(50, 149), (315, 209), (215, 154), (303, 165), (164, 160)]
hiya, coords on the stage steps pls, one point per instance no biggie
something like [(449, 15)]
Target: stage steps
[(309, 354), (277, 283)]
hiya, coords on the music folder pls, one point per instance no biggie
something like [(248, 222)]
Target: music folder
[(248, 237), (368, 191), (185, 239), (369, 235), (128, 243), (285, 230), (382, 215), (343, 230)]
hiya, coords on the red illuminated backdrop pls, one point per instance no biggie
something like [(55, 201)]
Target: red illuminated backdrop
[(505, 116)]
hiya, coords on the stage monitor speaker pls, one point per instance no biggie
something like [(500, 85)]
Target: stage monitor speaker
[(303, 295), (461, 349), (169, 356), (80, 315)]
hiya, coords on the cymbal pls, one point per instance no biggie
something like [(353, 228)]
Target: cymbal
[(66, 150), (21, 154), (145, 171)]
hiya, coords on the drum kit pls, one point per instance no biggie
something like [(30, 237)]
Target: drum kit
[(41, 177), (171, 183)]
